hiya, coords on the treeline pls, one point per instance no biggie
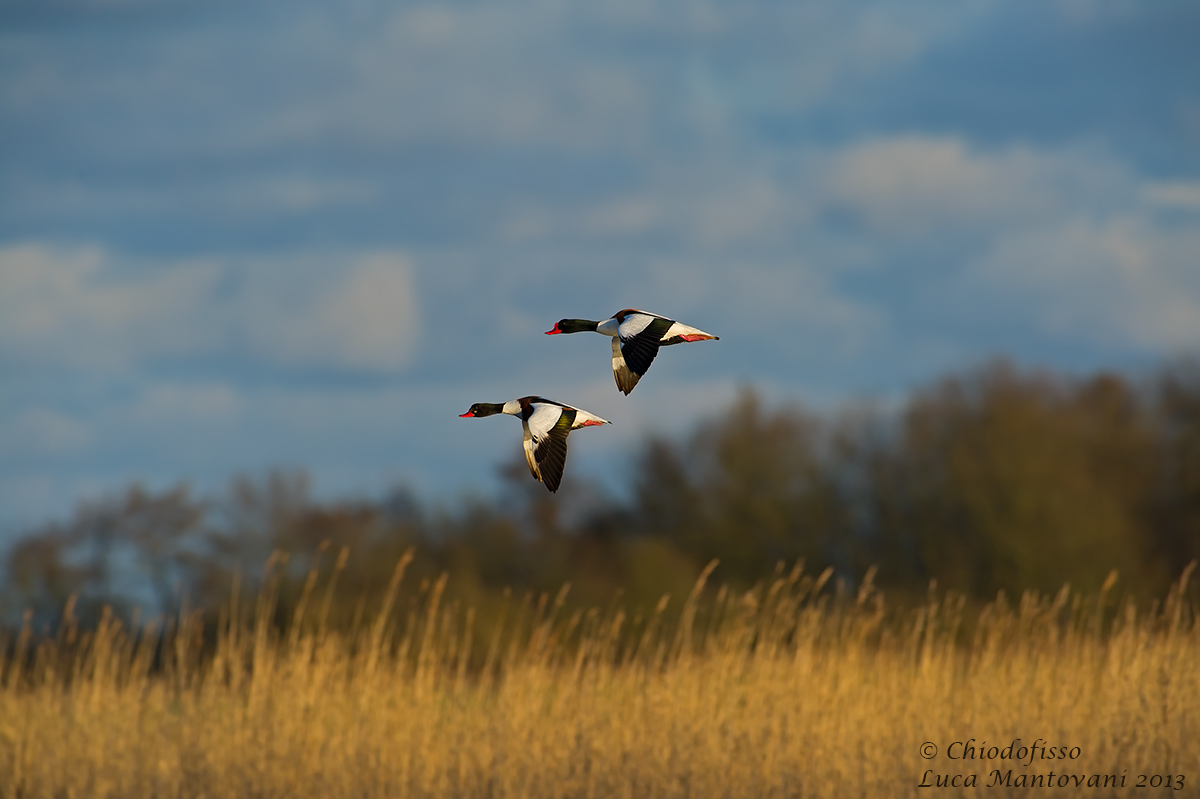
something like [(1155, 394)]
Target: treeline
[(994, 479)]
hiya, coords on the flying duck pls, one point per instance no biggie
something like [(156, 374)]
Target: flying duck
[(636, 337), (546, 424)]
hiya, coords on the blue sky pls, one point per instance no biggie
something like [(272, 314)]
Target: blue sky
[(244, 235)]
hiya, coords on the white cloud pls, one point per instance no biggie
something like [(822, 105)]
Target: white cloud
[(909, 185), (1062, 245), (367, 319), (68, 306), (85, 307), (1180, 194), (1118, 282)]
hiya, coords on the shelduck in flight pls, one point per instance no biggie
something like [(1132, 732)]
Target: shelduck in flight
[(546, 425), (636, 337)]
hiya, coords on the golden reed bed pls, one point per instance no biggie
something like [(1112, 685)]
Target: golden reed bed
[(783, 691)]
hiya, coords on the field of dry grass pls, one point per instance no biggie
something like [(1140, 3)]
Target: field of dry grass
[(787, 690)]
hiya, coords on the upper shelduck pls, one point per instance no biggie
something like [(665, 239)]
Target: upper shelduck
[(546, 424), (636, 337)]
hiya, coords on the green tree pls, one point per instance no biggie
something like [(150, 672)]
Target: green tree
[(1009, 479), (751, 487), (1175, 513)]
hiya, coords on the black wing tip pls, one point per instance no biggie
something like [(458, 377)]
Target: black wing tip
[(551, 457), (551, 482)]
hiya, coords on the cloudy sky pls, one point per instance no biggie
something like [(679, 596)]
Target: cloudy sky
[(309, 233)]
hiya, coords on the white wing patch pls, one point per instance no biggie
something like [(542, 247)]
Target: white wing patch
[(545, 441), (635, 323), (542, 420)]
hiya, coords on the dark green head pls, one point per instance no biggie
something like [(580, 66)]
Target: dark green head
[(573, 326), (483, 409)]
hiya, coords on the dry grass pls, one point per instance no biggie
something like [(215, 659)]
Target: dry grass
[(783, 691)]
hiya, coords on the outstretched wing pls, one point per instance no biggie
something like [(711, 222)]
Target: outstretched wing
[(640, 335), (546, 441), (625, 378)]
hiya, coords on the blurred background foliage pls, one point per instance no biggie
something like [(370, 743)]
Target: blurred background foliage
[(999, 478)]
